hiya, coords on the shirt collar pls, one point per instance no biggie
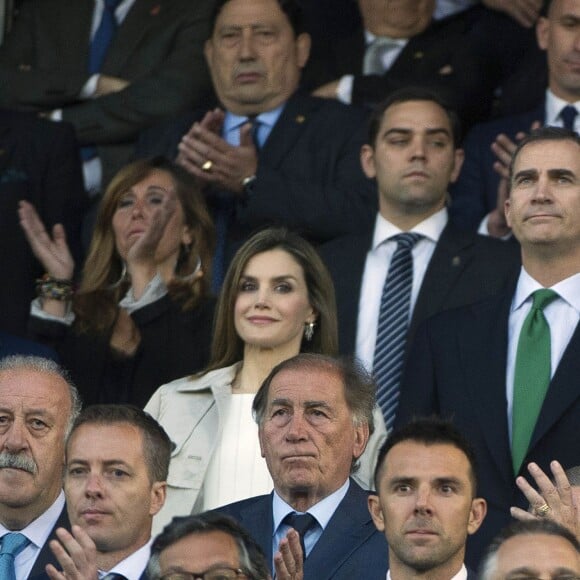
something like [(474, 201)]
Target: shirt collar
[(133, 566), (268, 118), (568, 289), (461, 575), (322, 511), (370, 37), (431, 228), (39, 529), (553, 107)]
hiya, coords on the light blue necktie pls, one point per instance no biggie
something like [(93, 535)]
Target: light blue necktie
[(12, 544), (394, 315)]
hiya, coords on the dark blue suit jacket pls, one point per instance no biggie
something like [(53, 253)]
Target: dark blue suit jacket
[(10, 345), (45, 556), (309, 175), (464, 268), (350, 546), (457, 368), (474, 194)]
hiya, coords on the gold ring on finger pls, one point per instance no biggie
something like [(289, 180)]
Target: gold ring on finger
[(207, 165), (543, 510)]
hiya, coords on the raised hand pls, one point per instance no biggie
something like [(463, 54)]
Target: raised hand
[(76, 553), (552, 500), (52, 252), (288, 560), (213, 160)]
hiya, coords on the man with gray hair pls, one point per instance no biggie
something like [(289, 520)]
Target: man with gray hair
[(208, 544), (315, 416), (532, 549), (38, 405)]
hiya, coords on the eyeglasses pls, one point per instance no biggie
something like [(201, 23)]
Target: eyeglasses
[(215, 574)]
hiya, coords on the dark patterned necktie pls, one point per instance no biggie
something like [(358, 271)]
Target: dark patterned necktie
[(302, 523), (394, 316)]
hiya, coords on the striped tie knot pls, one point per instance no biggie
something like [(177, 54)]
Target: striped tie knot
[(406, 240)]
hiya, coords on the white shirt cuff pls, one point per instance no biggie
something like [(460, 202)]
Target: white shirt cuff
[(344, 89), (37, 311), (90, 88)]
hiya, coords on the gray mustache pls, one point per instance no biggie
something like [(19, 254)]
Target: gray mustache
[(18, 461)]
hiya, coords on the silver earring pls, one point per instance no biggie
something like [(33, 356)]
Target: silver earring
[(309, 330), (121, 279), (191, 276)]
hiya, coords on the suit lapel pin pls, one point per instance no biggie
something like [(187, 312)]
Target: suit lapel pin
[(155, 10), (300, 119), (456, 261), (419, 54)]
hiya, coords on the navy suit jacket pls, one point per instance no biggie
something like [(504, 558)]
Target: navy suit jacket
[(45, 556), (350, 546), (457, 368), (464, 268), (309, 176), (474, 194), (10, 345)]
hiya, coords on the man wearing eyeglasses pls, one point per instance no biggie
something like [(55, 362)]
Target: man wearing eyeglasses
[(208, 546)]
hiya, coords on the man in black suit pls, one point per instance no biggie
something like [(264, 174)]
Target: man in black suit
[(38, 406), (39, 163), (400, 44), (426, 502), (271, 156), (152, 67), (413, 153), (506, 369), (479, 193), (314, 418), (117, 459)]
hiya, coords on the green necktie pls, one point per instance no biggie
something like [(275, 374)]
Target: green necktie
[(532, 375)]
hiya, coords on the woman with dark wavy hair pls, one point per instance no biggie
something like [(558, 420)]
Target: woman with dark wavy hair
[(141, 315)]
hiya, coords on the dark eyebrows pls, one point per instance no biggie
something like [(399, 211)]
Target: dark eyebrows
[(525, 173), (406, 132), (556, 173)]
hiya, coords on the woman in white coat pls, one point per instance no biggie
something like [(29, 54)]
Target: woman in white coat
[(277, 300)]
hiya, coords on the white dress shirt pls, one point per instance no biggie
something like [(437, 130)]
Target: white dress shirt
[(133, 566), (322, 512), (562, 316), (461, 575), (37, 532), (376, 270)]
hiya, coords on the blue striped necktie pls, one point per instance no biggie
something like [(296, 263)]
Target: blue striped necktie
[(568, 115), (12, 544), (394, 315)]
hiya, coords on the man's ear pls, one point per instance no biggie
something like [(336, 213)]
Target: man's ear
[(476, 515), (158, 495), (367, 161), (374, 506)]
